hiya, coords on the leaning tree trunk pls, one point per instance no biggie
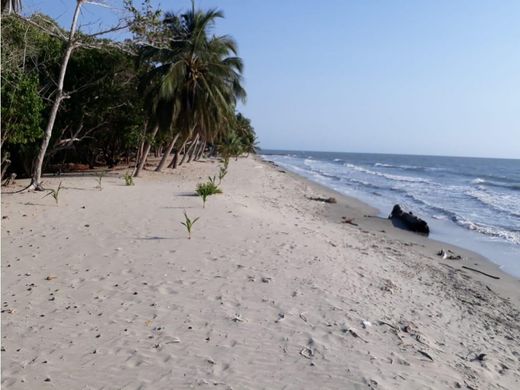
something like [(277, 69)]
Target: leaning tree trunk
[(189, 149), (192, 150), (201, 152), (164, 158), (173, 162), (38, 162), (195, 152), (182, 152), (146, 151)]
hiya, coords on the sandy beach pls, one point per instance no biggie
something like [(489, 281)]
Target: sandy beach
[(273, 291)]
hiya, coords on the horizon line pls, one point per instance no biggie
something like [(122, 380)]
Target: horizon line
[(388, 154)]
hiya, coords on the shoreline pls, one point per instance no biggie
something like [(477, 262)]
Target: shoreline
[(377, 213), (106, 290), (367, 218)]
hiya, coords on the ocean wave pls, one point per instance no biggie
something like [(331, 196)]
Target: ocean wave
[(441, 213), (489, 183), (504, 204), (410, 167), (388, 176), (491, 231)]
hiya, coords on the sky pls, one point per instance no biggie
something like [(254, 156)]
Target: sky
[(438, 77)]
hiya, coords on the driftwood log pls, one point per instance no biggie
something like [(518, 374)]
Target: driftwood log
[(408, 221)]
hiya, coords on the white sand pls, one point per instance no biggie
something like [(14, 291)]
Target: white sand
[(105, 291)]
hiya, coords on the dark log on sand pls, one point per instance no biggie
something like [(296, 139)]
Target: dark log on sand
[(408, 221)]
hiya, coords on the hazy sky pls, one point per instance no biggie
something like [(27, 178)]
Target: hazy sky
[(416, 77)]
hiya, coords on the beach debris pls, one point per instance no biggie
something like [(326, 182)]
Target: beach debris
[(481, 272), (266, 279), (380, 322), (50, 277), (354, 333), (389, 286), (480, 357), (281, 316), (350, 221), (238, 318), (346, 329), (366, 324), (408, 221), (425, 354), (321, 199), (450, 255), (307, 353)]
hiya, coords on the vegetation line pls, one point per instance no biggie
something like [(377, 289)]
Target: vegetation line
[(75, 101)]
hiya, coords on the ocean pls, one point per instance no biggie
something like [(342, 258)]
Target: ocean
[(470, 202)]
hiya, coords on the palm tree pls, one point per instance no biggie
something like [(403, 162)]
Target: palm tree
[(198, 74), (9, 6)]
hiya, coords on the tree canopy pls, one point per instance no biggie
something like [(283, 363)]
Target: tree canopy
[(173, 87)]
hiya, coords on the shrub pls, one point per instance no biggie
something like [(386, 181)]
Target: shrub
[(129, 180)]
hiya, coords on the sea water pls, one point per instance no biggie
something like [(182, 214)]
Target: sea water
[(470, 202)]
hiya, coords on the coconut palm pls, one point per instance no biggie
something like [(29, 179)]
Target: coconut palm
[(9, 6), (198, 74)]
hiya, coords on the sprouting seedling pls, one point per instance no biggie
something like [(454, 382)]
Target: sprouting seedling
[(100, 176), (129, 180), (222, 173), (206, 189), (188, 223), (54, 193)]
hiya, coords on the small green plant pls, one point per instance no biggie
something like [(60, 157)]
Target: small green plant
[(129, 180), (206, 189), (188, 223), (222, 172), (54, 193), (100, 176), (212, 180)]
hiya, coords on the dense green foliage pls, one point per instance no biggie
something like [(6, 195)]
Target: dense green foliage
[(175, 75)]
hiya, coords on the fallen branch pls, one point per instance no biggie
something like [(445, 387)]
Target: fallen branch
[(481, 272), (320, 199)]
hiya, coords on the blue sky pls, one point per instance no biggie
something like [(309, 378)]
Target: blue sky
[(415, 77)]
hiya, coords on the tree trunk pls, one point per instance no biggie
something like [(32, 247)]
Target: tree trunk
[(146, 151), (188, 152), (195, 152), (38, 162), (183, 153), (166, 154), (198, 156), (192, 150), (175, 159)]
